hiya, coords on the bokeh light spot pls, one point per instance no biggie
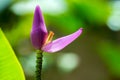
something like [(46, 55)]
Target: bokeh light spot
[(114, 19), (68, 62), (48, 6), (114, 23)]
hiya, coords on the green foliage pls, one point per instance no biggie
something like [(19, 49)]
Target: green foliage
[(110, 53), (95, 12), (10, 68), (20, 31)]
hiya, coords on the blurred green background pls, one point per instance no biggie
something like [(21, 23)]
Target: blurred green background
[(95, 55)]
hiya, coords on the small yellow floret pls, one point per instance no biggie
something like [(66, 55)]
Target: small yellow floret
[(49, 38)]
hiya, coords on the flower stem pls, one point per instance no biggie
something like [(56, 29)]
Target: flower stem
[(38, 64)]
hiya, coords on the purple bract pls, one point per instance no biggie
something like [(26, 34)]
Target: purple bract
[(40, 38)]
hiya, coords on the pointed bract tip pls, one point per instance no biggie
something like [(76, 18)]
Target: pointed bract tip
[(81, 28), (38, 21), (37, 8)]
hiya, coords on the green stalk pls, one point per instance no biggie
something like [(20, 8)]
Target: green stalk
[(38, 64)]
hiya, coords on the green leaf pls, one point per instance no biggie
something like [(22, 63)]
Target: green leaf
[(10, 68)]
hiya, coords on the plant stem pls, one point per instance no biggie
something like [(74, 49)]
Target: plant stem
[(38, 64)]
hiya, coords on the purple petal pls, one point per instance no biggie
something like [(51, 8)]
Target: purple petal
[(62, 42), (39, 31), (38, 21)]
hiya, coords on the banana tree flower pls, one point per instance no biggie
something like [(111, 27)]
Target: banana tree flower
[(41, 40)]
